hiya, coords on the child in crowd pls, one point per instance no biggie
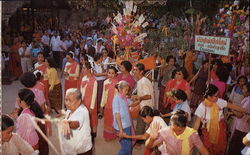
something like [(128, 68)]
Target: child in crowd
[(180, 98), (40, 65)]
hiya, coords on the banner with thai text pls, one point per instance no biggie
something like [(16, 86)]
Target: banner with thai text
[(214, 45)]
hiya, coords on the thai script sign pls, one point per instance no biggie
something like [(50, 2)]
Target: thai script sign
[(214, 45)]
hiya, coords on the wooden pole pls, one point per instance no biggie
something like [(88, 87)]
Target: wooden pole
[(209, 69), (38, 129)]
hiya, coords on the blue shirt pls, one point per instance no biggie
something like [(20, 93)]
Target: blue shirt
[(35, 51), (120, 106)]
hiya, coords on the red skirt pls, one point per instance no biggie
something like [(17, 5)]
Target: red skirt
[(108, 130), (69, 84), (220, 147)]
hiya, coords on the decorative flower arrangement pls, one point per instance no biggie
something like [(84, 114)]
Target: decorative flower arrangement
[(127, 28), (231, 21)]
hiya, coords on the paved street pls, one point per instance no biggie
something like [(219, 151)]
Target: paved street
[(9, 94)]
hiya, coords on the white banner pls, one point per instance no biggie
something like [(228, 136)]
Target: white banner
[(214, 45)]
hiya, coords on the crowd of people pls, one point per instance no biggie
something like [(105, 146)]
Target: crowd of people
[(202, 104)]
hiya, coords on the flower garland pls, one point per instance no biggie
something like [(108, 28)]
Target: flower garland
[(127, 28)]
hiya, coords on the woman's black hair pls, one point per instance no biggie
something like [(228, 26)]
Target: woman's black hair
[(211, 90), (97, 56), (183, 70), (168, 58), (105, 50), (28, 97), (140, 66), (180, 95), (28, 79), (218, 62), (40, 53), (88, 65), (23, 41), (51, 62), (6, 122), (84, 56), (179, 118), (127, 65), (91, 51), (70, 54), (205, 61), (241, 77), (38, 75), (148, 111), (113, 68), (222, 73)]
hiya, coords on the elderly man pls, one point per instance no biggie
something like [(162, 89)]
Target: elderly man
[(76, 139)]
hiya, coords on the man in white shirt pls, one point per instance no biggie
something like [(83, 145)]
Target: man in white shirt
[(99, 47), (68, 42), (25, 54), (89, 43), (145, 95), (63, 50), (76, 131), (55, 46), (45, 41)]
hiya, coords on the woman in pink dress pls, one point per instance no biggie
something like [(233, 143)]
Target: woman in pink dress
[(40, 65), (88, 90), (125, 68), (222, 74), (39, 85), (28, 80), (108, 94), (29, 108)]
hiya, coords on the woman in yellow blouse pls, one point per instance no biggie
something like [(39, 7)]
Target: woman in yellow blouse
[(55, 88)]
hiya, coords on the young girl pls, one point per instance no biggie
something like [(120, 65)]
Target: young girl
[(12, 143), (180, 98), (122, 120), (39, 85), (106, 58), (108, 94), (40, 65), (150, 117), (29, 108), (88, 90)]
